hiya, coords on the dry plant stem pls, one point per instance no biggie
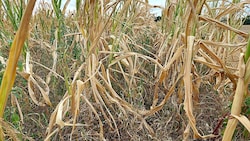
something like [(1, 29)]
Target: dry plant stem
[(223, 25), (10, 72), (188, 103), (237, 102)]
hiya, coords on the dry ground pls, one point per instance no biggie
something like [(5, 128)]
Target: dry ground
[(245, 28)]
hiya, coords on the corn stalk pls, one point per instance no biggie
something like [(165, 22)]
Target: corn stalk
[(10, 72), (241, 90)]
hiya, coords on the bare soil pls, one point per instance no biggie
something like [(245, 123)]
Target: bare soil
[(246, 28)]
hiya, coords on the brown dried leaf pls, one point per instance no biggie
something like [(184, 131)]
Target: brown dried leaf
[(244, 120)]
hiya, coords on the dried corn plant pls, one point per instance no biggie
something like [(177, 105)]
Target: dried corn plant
[(109, 72), (15, 51)]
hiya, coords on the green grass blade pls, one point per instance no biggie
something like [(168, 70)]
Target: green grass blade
[(247, 53)]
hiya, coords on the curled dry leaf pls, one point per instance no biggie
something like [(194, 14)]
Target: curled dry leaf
[(63, 107), (35, 81)]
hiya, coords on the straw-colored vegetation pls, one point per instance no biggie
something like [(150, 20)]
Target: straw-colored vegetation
[(108, 71)]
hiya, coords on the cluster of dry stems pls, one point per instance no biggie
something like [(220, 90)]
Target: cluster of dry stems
[(119, 50)]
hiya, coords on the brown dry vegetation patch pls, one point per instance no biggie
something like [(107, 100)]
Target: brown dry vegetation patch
[(115, 74)]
